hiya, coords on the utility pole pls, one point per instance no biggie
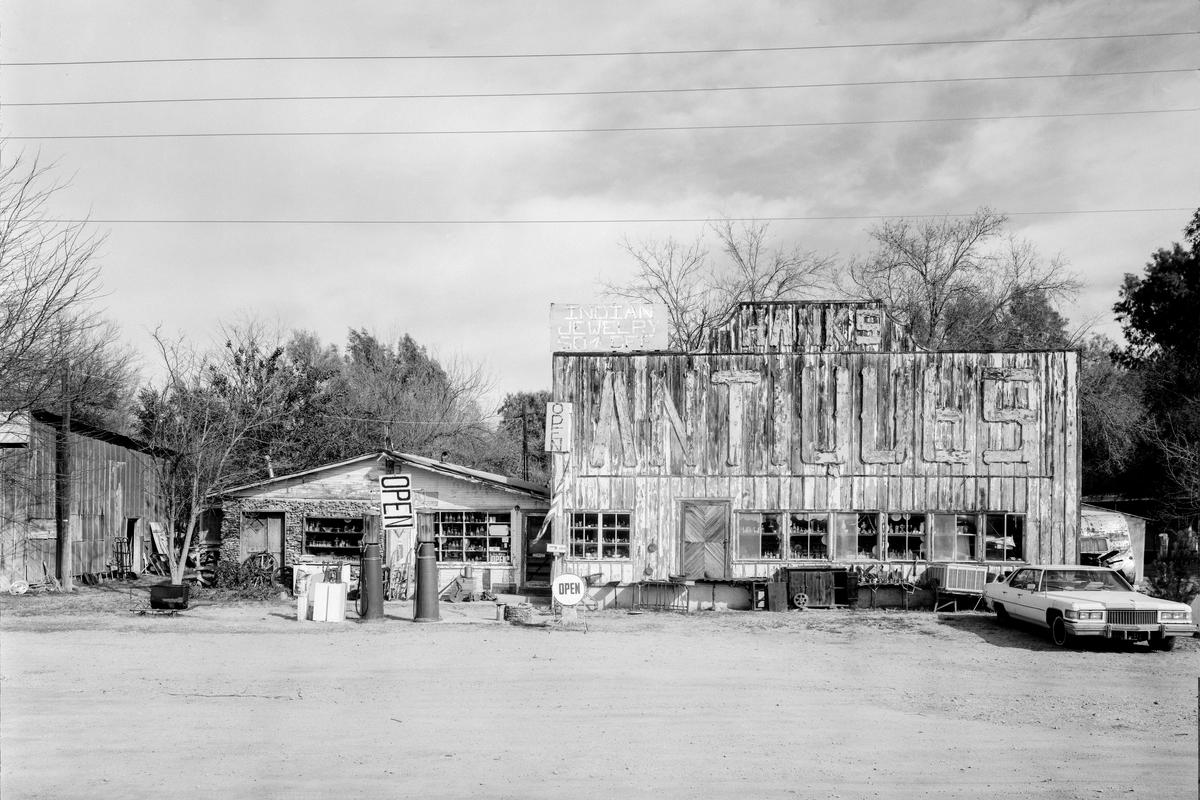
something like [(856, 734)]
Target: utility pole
[(524, 447), (62, 486)]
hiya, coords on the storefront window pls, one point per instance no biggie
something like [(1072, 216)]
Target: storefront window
[(761, 536), (906, 536), (955, 537), (473, 537), (965, 536), (867, 539), (1004, 537), (758, 536), (808, 536), (600, 534)]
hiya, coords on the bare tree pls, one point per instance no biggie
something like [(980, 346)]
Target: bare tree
[(756, 272), (954, 281), (209, 407), (700, 295), (677, 276), (1114, 419), (1181, 462), (102, 379), (48, 276), (55, 351)]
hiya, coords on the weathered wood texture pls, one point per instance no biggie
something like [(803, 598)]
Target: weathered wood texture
[(111, 483), (810, 327), (834, 431)]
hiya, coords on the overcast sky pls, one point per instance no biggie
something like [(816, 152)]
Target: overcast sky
[(468, 285)]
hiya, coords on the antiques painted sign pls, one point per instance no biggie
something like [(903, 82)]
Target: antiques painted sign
[(726, 414)]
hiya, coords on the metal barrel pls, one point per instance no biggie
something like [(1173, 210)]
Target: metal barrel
[(371, 570), (426, 607)]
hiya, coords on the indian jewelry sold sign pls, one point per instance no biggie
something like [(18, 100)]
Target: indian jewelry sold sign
[(608, 327)]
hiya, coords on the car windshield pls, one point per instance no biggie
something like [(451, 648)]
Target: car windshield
[(1083, 580)]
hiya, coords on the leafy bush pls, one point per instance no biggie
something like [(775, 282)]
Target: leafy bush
[(1175, 575)]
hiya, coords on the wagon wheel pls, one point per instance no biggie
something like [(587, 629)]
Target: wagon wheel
[(800, 600), (206, 565), (262, 567)]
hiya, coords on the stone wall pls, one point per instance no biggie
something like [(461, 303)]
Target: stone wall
[(294, 512), (501, 578)]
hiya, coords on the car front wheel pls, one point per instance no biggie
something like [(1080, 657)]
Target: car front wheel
[(1160, 642), (1002, 615), (1059, 634)]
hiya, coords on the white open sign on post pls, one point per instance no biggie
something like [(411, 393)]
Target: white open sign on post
[(395, 501), (568, 589)]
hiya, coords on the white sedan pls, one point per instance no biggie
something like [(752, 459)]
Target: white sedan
[(1087, 601)]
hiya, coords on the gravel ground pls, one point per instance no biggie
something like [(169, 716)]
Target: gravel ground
[(100, 698)]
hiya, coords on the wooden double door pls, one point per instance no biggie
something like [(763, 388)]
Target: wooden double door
[(705, 539), (262, 533)]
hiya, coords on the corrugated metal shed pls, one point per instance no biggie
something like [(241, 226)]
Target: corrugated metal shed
[(113, 484)]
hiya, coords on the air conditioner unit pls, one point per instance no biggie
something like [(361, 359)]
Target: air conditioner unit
[(957, 578)]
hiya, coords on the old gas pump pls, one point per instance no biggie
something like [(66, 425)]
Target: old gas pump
[(370, 575), (426, 607)]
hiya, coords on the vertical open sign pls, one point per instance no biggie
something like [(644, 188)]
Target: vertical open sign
[(395, 501), (559, 426)]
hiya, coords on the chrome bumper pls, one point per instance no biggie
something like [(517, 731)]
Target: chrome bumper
[(1109, 631)]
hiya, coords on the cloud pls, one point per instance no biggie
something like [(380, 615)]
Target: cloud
[(483, 289)]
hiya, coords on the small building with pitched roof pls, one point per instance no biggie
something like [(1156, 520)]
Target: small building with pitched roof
[(485, 524)]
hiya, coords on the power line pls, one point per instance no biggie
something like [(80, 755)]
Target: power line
[(460, 423), (631, 129), (597, 92), (613, 221), (595, 54)]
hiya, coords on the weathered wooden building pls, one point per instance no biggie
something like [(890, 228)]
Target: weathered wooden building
[(483, 523), (812, 434), (112, 488)]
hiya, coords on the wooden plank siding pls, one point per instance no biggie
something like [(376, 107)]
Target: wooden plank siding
[(111, 483), (854, 429)]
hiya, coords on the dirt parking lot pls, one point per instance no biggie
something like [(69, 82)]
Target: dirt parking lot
[(240, 700)]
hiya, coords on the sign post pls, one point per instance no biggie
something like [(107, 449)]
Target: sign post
[(568, 591)]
